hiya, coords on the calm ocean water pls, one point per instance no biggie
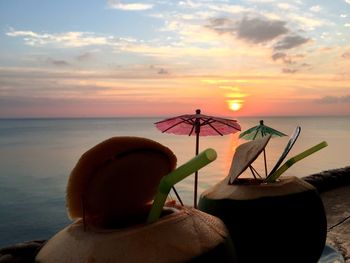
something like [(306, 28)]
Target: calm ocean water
[(37, 155)]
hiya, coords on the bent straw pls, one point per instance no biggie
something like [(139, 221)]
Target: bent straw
[(196, 163), (273, 177)]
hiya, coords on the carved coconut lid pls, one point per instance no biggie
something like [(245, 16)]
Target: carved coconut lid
[(117, 179), (245, 155)]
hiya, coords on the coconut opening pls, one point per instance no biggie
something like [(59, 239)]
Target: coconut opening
[(247, 181), (97, 224)]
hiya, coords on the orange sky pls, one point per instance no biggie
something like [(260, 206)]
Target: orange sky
[(127, 58)]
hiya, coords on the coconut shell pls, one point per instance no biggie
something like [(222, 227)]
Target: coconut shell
[(277, 222), (185, 235), (113, 183)]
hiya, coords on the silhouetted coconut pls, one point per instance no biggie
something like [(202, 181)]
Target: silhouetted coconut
[(276, 222)]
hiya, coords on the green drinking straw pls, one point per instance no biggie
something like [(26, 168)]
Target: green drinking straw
[(168, 181), (293, 160)]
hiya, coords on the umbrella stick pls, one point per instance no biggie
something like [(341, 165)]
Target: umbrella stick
[(255, 171), (196, 173), (177, 195), (251, 169), (265, 163)]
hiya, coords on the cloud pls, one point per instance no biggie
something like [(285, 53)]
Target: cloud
[(286, 6), (278, 56), (290, 41), (256, 30), (282, 56), (163, 71), (346, 55), (333, 99), (67, 39), (315, 8), (59, 63), (189, 4), (117, 4), (307, 22), (221, 25), (84, 57), (347, 1), (259, 30), (306, 65), (289, 71), (227, 8)]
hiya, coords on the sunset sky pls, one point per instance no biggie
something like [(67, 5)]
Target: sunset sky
[(162, 58)]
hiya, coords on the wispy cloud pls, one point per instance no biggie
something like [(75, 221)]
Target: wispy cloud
[(231, 9), (286, 6), (334, 99), (289, 71), (291, 41), (307, 22), (56, 62), (163, 71), (316, 8), (282, 56), (84, 57), (346, 55), (256, 30), (117, 4), (67, 39)]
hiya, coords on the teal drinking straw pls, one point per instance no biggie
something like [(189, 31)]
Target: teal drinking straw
[(272, 178), (168, 181)]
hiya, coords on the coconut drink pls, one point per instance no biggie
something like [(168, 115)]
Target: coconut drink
[(109, 196), (282, 220)]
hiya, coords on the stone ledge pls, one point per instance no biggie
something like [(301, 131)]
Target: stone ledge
[(330, 179), (334, 188)]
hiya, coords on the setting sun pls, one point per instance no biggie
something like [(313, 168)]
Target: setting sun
[(235, 105)]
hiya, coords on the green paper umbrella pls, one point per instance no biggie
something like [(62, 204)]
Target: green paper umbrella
[(261, 131)]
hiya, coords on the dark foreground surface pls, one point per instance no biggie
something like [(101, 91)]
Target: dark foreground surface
[(333, 185)]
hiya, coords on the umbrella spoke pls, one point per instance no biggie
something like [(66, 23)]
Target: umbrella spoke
[(215, 129), (229, 124), (191, 131), (207, 121), (257, 131), (189, 121), (172, 126), (170, 119)]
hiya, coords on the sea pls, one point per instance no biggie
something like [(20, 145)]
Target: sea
[(37, 156)]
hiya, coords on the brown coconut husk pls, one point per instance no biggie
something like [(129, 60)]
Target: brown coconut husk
[(114, 182), (283, 221), (184, 235)]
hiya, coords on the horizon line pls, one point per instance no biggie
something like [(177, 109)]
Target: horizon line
[(166, 116)]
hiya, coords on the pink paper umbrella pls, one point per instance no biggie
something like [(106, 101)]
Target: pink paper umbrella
[(199, 125)]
